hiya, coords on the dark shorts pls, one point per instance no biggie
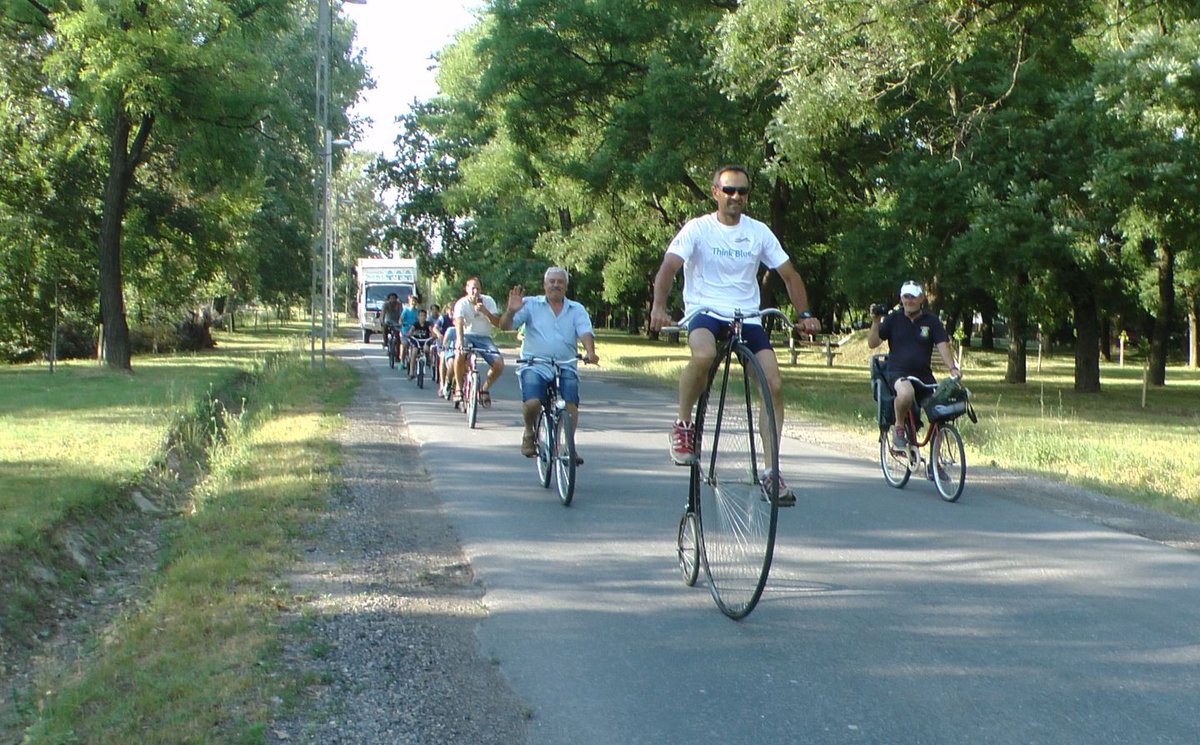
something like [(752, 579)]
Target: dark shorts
[(534, 379), (753, 334)]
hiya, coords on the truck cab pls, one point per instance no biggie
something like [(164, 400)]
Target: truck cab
[(377, 278)]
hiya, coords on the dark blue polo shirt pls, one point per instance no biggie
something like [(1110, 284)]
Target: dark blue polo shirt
[(911, 343)]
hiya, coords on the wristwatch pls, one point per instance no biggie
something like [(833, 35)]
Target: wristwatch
[(805, 314)]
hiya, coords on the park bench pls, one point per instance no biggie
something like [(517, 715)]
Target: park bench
[(823, 344)]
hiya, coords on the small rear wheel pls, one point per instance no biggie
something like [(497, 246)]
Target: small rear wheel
[(565, 464), (949, 462), (689, 547)]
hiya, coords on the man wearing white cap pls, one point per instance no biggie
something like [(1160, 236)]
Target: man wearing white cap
[(911, 337)]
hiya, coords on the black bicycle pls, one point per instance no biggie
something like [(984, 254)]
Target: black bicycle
[(729, 523), (393, 342), (946, 465), (470, 387), (555, 434), (418, 359)]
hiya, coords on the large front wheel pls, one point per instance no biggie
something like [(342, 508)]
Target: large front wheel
[(391, 348), (544, 437), (471, 398), (565, 464), (948, 462), (420, 371), (896, 471), (738, 508)]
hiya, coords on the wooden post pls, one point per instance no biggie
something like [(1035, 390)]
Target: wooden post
[(54, 333), (793, 350)]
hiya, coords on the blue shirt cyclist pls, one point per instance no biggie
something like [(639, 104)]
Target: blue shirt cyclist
[(554, 329)]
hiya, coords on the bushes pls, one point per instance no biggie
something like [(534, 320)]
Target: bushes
[(78, 339)]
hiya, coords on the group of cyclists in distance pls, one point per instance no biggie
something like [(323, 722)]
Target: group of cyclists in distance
[(719, 254)]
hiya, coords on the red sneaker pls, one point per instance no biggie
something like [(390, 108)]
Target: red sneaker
[(683, 444)]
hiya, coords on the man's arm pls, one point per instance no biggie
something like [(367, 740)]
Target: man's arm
[(516, 301), (589, 345), (482, 307), (873, 337), (798, 294), (459, 344), (943, 349), (671, 265)]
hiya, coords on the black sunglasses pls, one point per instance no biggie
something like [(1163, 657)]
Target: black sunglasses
[(731, 190)]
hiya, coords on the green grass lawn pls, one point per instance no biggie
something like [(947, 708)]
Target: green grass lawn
[(1107, 441), (72, 437), (195, 659)]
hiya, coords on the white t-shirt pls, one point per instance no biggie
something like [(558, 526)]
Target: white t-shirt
[(473, 322), (720, 269)]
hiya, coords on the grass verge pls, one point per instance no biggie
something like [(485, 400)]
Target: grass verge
[(192, 659)]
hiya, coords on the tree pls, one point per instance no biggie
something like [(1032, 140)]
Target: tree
[(163, 86)]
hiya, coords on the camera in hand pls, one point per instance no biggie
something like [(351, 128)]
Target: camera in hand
[(879, 309)]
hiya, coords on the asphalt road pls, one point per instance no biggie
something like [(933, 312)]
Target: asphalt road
[(889, 617)]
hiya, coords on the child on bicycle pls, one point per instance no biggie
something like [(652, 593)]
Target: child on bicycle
[(420, 332)]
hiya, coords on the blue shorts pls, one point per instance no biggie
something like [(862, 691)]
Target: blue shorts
[(753, 334), (534, 379), (448, 344), (484, 347)]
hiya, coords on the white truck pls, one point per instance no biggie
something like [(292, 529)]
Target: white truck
[(376, 279)]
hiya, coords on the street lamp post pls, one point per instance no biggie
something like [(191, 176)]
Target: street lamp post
[(327, 241), (326, 143)]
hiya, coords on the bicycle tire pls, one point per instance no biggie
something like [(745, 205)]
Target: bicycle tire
[(895, 467), (948, 462), (471, 399), (565, 467), (737, 514), (391, 350), (543, 436), (421, 371), (688, 543)]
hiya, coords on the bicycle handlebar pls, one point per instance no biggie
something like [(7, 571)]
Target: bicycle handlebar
[(549, 360), (738, 315)]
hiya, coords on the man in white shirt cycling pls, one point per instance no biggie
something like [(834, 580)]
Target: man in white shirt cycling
[(720, 254), (474, 315), (554, 328)]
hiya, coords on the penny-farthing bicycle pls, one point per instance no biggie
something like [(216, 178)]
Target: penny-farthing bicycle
[(728, 526)]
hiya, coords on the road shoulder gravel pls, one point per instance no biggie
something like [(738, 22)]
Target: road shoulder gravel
[(387, 612)]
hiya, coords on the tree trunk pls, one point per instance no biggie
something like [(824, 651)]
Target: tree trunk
[(1087, 342), (1106, 336), (1161, 339), (122, 162), (1015, 372)]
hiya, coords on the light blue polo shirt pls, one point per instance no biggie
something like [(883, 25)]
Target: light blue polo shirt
[(549, 335)]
